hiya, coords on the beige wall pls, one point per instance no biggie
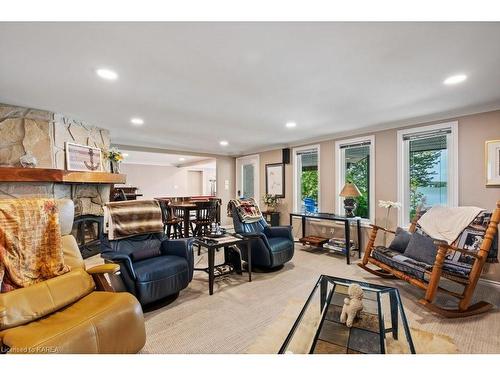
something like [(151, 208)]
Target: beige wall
[(156, 180), (225, 175), (473, 131)]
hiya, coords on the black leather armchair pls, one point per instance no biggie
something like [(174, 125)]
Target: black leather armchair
[(152, 266), (271, 246)]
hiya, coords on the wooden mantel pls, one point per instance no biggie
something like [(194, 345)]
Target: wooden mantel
[(59, 175)]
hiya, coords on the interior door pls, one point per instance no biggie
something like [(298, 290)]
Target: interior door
[(247, 177), (195, 183)]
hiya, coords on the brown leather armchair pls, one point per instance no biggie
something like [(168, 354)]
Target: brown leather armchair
[(73, 313)]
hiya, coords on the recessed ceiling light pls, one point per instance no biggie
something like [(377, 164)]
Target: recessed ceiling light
[(108, 74), (452, 80), (182, 159), (137, 121), (223, 143), (290, 124), (124, 154)]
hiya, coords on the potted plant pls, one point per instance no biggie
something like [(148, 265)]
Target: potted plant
[(115, 157), (271, 201)]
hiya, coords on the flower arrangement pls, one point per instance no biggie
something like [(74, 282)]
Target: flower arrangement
[(271, 201), (114, 154), (389, 204), (115, 157)]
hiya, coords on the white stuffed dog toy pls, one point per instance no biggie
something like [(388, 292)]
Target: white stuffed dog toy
[(352, 305)]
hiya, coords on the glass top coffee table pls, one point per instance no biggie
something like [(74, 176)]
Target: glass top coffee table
[(380, 328)]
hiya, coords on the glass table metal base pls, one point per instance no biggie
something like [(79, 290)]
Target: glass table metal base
[(380, 328)]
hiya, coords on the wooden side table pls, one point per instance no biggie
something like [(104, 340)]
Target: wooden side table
[(272, 218)]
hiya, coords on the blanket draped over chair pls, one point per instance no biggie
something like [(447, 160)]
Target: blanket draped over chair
[(30, 242), (247, 210), (130, 218), (468, 234), (447, 223)]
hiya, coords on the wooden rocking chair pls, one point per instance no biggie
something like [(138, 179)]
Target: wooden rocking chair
[(431, 285)]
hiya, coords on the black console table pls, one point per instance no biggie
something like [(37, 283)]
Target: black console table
[(332, 217), (272, 218), (230, 264)]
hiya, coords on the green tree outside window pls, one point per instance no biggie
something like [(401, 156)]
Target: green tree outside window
[(309, 184)]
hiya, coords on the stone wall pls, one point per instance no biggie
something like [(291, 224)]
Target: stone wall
[(23, 129), (67, 129), (44, 134)]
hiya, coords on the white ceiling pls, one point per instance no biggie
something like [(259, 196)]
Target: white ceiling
[(171, 160), (195, 84)]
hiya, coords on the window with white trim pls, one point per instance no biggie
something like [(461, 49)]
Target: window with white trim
[(428, 168), (306, 178), (356, 164)]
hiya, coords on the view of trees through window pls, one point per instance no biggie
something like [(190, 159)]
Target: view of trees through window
[(310, 184), (428, 172), (357, 171)]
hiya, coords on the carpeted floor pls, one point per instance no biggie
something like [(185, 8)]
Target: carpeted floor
[(243, 317)]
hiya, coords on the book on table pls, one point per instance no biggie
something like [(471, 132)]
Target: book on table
[(338, 244)]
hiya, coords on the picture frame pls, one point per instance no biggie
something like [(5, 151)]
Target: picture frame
[(83, 158), (275, 179), (492, 162)]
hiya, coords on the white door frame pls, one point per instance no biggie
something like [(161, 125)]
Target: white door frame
[(244, 160)]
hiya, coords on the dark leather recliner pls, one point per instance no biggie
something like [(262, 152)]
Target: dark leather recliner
[(271, 246), (152, 266)]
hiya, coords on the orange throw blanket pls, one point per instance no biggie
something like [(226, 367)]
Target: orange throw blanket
[(30, 242)]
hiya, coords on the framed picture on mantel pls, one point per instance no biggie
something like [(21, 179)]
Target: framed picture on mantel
[(492, 163), (275, 179), (83, 158)]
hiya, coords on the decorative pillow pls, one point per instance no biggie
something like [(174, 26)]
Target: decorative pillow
[(421, 248), (145, 254), (400, 241)]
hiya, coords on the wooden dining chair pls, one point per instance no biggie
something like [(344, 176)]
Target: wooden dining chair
[(171, 221), (206, 214)]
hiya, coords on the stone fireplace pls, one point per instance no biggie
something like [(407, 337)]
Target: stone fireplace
[(89, 199), (43, 134)]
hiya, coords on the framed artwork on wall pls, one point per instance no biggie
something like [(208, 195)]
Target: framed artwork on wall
[(275, 179), (492, 162), (83, 158)]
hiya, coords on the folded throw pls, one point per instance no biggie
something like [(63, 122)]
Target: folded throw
[(446, 223), (247, 210), (30, 242), (130, 218)]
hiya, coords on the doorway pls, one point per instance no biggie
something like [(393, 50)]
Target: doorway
[(247, 177), (195, 183)]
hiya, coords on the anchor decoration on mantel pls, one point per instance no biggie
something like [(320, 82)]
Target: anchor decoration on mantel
[(91, 166)]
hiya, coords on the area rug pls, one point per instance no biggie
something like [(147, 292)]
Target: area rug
[(273, 336)]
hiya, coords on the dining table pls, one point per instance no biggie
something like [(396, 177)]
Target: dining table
[(187, 206)]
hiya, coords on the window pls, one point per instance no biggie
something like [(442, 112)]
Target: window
[(306, 181), (356, 164), (427, 171)]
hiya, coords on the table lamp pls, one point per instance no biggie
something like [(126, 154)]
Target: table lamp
[(349, 192)]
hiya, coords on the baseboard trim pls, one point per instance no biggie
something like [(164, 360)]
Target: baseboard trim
[(493, 283)]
